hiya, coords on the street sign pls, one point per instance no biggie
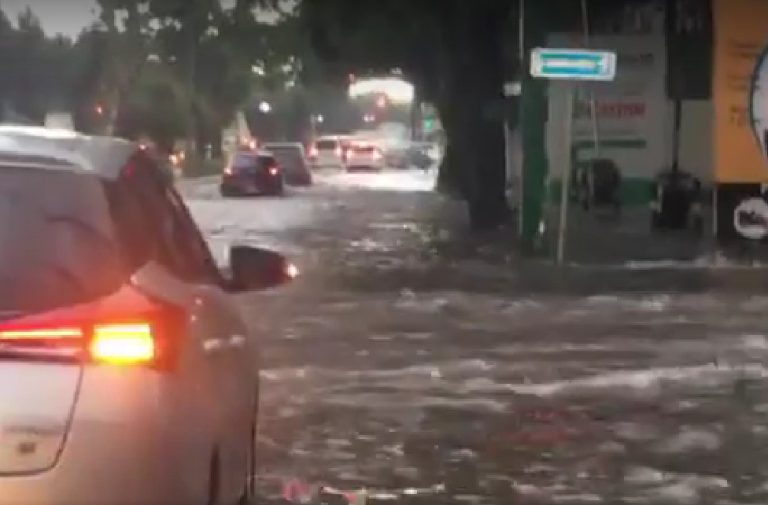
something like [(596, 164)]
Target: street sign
[(573, 64)]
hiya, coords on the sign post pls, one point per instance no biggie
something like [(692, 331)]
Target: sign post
[(571, 65), (565, 187)]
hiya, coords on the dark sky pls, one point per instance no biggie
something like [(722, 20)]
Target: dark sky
[(56, 16)]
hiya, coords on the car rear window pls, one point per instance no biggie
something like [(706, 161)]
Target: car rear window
[(326, 144), (294, 151), (290, 158), (57, 241), (248, 161)]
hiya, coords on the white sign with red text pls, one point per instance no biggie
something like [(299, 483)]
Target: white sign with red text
[(631, 109)]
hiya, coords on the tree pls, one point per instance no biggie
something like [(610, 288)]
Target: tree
[(458, 54), (157, 109), (453, 52), (127, 47), (38, 72), (215, 50)]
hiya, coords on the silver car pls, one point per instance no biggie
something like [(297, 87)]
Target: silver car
[(127, 375)]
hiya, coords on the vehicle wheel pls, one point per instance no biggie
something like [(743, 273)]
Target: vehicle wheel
[(214, 480)]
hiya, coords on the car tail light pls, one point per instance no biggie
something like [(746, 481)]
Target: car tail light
[(313, 152), (123, 329), (339, 152), (228, 170), (123, 344), (292, 271), (273, 170), (376, 155)]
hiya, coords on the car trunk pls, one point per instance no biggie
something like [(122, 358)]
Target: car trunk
[(57, 250), (35, 414)]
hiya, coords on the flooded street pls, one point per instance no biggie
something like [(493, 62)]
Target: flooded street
[(421, 365)]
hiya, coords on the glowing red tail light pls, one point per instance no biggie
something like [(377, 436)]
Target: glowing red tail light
[(122, 329), (313, 152), (123, 344)]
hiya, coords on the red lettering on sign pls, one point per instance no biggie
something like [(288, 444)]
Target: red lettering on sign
[(611, 110)]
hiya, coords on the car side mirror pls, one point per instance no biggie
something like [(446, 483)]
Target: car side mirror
[(253, 269)]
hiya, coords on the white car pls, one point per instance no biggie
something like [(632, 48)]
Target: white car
[(127, 375), (327, 152), (360, 157)]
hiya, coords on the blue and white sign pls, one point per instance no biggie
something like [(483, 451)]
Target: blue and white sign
[(573, 64)]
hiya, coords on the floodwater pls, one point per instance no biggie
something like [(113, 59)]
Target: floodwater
[(419, 364)]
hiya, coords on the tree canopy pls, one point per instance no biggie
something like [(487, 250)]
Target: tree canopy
[(38, 71), (183, 68)]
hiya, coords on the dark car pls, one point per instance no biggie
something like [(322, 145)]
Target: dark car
[(293, 162), (252, 173), (418, 156)]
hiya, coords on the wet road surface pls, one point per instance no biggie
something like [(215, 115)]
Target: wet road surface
[(425, 366)]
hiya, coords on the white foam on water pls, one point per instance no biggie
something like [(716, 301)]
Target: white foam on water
[(647, 382), (400, 180)]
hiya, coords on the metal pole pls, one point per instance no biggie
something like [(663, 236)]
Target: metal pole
[(566, 179), (592, 100)]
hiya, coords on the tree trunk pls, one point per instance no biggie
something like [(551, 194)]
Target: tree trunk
[(484, 125), (216, 141), (450, 179)]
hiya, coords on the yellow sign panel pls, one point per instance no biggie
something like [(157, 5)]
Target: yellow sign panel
[(741, 36)]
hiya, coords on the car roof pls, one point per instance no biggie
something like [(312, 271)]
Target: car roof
[(67, 150), (253, 152), (269, 145)]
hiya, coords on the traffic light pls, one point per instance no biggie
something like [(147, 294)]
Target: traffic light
[(429, 125)]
